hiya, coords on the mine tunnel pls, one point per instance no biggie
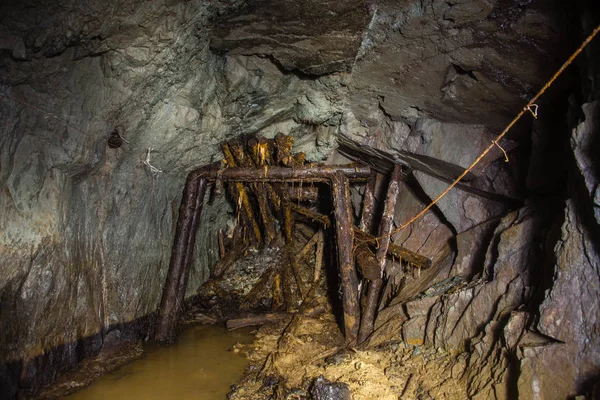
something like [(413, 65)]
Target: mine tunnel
[(280, 199)]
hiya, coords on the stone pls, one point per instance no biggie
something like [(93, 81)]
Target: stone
[(569, 312), (462, 209), (471, 245), (457, 317), (582, 144), (458, 144), (420, 307), (413, 331), (86, 232), (322, 389), (426, 236)]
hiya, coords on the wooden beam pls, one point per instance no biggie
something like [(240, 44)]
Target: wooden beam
[(396, 251), (316, 173), (181, 254), (368, 210), (386, 226), (345, 243)]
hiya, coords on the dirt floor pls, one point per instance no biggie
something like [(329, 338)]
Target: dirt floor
[(288, 357)]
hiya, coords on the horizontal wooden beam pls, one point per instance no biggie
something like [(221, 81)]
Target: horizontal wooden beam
[(319, 173)]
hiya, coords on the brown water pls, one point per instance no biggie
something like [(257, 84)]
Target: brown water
[(199, 366)]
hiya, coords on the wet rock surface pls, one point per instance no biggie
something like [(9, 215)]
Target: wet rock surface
[(116, 351)]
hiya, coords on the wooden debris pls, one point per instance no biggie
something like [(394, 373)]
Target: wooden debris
[(238, 251), (278, 300), (306, 248), (260, 319), (244, 160), (368, 210), (396, 251), (304, 193), (303, 174), (256, 319), (367, 263), (221, 241), (286, 212), (241, 196), (319, 255), (266, 181), (284, 145)]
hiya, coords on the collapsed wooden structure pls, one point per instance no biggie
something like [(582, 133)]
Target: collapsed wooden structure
[(260, 174)]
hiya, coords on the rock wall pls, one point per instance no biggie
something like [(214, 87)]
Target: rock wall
[(527, 322), (86, 229)]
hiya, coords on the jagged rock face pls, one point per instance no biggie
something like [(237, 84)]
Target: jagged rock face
[(315, 38), (568, 315), (456, 61), (86, 229)]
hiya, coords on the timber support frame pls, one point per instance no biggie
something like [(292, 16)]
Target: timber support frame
[(257, 174)]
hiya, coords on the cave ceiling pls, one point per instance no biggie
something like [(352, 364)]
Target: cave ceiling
[(470, 62)]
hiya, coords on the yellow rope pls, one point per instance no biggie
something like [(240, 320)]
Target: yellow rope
[(504, 132)]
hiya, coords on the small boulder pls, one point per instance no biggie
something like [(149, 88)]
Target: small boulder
[(325, 390)]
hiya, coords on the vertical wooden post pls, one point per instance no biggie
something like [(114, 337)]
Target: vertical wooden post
[(366, 218), (345, 240), (221, 243), (189, 216), (366, 225), (374, 289), (319, 256), (286, 212), (183, 280)]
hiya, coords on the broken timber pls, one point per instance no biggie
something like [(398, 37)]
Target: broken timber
[(374, 289), (181, 255), (394, 250), (261, 171), (345, 240)]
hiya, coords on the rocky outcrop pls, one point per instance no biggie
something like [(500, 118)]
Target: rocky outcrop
[(568, 315), (584, 143), (456, 61), (314, 38)]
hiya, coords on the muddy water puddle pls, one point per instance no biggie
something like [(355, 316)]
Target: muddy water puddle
[(199, 366)]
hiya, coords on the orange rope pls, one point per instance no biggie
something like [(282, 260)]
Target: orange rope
[(504, 132)]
